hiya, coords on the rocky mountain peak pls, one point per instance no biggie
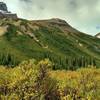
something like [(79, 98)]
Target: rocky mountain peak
[(4, 13), (3, 7)]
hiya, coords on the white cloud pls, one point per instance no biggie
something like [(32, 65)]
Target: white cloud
[(81, 14)]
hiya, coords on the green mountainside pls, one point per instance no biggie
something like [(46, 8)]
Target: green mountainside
[(54, 39)]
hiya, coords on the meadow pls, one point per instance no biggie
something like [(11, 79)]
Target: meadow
[(32, 80)]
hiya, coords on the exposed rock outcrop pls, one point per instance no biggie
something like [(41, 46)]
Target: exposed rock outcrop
[(98, 35), (4, 13)]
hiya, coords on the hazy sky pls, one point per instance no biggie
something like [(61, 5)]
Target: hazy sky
[(81, 14)]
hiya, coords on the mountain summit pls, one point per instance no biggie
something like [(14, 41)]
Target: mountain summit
[(4, 13)]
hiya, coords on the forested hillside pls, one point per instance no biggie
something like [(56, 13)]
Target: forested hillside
[(55, 39)]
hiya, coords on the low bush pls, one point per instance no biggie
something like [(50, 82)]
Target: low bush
[(32, 80)]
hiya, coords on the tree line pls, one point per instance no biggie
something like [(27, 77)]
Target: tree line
[(8, 59), (68, 63), (71, 63)]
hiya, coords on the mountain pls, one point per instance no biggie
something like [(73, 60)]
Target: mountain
[(98, 35), (54, 39), (4, 13)]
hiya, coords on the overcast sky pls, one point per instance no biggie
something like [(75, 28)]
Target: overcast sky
[(81, 14)]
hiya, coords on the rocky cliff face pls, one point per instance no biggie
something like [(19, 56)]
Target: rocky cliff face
[(3, 7), (8, 15), (4, 13)]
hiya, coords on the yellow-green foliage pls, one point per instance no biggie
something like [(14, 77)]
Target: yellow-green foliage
[(28, 81), (83, 84), (36, 81)]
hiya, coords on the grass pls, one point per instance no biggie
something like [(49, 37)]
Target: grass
[(58, 44)]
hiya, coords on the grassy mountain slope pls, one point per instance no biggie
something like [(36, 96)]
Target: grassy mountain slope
[(54, 39)]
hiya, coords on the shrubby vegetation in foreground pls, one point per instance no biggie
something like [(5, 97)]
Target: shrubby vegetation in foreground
[(36, 81)]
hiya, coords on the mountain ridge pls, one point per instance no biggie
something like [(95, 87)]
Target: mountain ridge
[(54, 39)]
